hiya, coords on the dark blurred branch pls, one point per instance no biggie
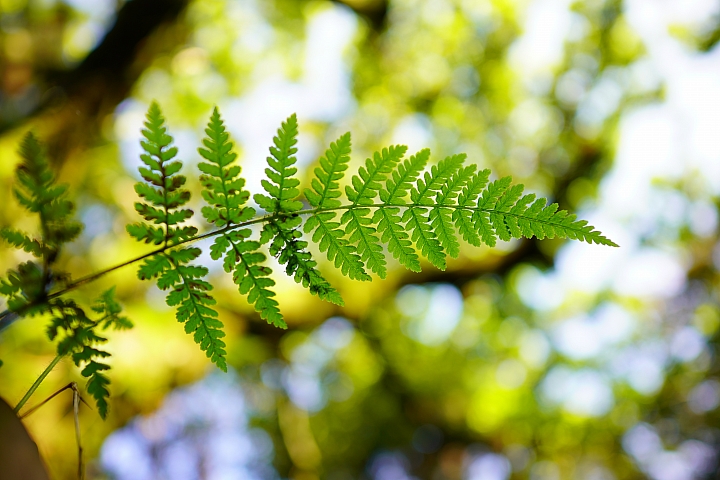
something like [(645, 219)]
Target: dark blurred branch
[(374, 11), (81, 97)]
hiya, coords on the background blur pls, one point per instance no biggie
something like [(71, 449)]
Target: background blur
[(534, 360)]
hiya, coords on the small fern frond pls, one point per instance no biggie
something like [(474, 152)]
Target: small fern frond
[(225, 194), (110, 309), (244, 260), (189, 293), (76, 337), (282, 230), (325, 186), (224, 188), (462, 216), (441, 215), (281, 185), (289, 248), (163, 191), (365, 187), (325, 191), (165, 197), (402, 179), (26, 287), (38, 193)]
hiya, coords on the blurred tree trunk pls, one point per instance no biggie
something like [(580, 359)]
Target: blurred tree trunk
[(75, 103)]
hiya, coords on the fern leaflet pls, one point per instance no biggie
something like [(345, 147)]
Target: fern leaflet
[(77, 337), (416, 217), (462, 216), (224, 192), (365, 187), (441, 215), (325, 190), (172, 268), (387, 216), (282, 229)]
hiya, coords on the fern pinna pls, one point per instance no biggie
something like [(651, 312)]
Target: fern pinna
[(163, 192), (407, 207)]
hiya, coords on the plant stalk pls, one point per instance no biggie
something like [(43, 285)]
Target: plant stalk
[(37, 383)]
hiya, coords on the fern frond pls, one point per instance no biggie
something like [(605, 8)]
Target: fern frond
[(110, 310), (416, 216), (388, 218), (291, 251), (282, 187), (224, 188), (441, 215), (282, 229), (225, 194), (365, 187), (325, 186), (163, 191), (325, 190), (76, 337), (462, 216), (189, 293), (38, 193), (26, 287), (502, 211), (165, 197)]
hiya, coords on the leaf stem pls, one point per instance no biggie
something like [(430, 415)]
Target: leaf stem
[(37, 383)]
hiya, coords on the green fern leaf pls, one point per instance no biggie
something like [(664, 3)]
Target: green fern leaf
[(244, 261), (365, 187), (164, 198), (163, 191), (225, 194), (282, 187), (388, 218), (441, 215), (282, 230), (325, 190), (36, 190), (189, 293), (77, 337), (97, 386), (110, 310), (290, 251), (462, 216), (416, 217), (224, 188)]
